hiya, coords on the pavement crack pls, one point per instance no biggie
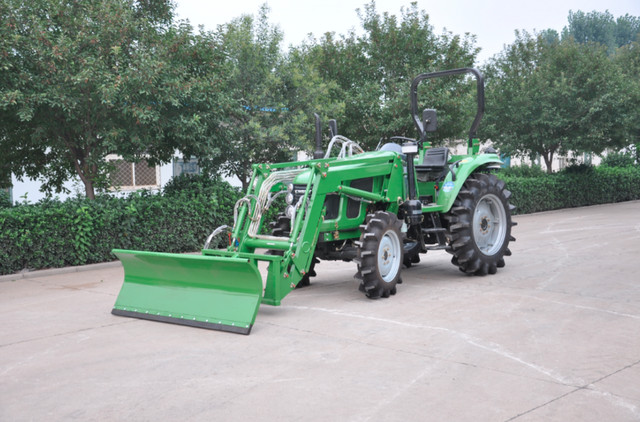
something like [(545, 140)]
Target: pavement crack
[(545, 404), (590, 387), (615, 372)]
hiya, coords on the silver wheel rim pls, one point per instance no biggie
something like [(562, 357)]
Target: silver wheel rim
[(389, 254), (489, 224)]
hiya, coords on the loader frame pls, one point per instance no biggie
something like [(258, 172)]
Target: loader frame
[(323, 177)]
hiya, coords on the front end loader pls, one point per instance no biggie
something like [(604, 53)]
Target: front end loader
[(380, 209)]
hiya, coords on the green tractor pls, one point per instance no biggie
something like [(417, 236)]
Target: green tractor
[(380, 209)]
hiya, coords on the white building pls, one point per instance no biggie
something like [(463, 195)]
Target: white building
[(128, 176)]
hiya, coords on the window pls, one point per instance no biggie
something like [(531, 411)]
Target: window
[(128, 176)]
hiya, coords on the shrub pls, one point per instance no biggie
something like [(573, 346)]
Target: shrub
[(576, 187), (618, 159), (77, 231), (524, 170), (577, 168), (5, 202)]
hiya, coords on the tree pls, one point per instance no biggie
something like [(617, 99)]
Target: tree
[(252, 51), (305, 93), (602, 28), (627, 59), (374, 72), (548, 97), (83, 79), (274, 96)]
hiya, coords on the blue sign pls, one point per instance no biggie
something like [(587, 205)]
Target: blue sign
[(185, 167)]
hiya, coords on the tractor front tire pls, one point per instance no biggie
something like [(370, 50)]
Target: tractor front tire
[(480, 225), (380, 255)]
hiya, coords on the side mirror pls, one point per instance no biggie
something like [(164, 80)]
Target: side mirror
[(429, 120)]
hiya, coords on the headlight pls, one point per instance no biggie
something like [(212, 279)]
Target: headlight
[(289, 198), (290, 187)]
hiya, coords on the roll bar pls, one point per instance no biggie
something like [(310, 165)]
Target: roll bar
[(480, 94)]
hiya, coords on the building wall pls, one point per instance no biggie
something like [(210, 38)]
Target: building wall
[(29, 189)]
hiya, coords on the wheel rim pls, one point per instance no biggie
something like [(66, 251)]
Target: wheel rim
[(489, 224), (389, 255)]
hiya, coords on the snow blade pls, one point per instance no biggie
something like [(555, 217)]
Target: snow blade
[(217, 293)]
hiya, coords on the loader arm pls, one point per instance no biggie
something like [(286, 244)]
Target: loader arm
[(223, 289)]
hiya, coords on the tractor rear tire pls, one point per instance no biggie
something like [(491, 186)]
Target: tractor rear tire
[(380, 255), (282, 227), (480, 225)]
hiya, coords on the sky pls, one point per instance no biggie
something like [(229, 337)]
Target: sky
[(492, 21)]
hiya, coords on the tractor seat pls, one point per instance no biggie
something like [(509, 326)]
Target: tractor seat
[(434, 166)]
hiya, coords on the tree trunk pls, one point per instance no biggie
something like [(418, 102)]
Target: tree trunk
[(548, 158), (548, 161), (86, 178), (244, 176), (82, 170), (88, 189), (86, 171), (245, 183)]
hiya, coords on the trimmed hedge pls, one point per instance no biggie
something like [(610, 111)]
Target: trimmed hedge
[(5, 202), (78, 231), (575, 187)]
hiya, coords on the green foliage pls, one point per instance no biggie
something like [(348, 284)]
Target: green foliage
[(5, 201), (201, 185), (602, 28), (523, 170), (80, 80), (83, 228), (577, 168), (627, 59), (549, 97), (80, 231), (618, 159), (274, 96), (577, 187), (373, 73)]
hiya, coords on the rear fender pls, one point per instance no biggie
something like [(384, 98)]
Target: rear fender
[(463, 168)]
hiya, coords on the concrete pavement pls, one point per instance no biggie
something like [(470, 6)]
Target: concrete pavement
[(553, 336)]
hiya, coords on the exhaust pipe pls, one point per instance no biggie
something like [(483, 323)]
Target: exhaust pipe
[(319, 153)]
